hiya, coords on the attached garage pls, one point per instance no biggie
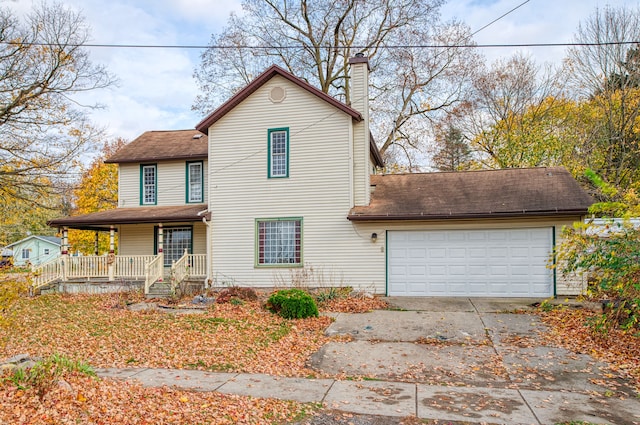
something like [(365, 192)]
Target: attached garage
[(483, 233), (478, 262)]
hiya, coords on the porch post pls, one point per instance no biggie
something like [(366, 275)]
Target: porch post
[(64, 250), (95, 244), (112, 256), (112, 237), (161, 247)]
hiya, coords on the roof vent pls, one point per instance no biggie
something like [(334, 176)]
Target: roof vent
[(197, 136), (277, 94)]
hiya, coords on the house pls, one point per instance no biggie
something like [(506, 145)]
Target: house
[(281, 179), (35, 250)]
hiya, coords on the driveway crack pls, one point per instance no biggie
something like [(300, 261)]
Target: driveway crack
[(491, 341)]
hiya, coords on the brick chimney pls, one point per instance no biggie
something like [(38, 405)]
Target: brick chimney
[(360, 102)]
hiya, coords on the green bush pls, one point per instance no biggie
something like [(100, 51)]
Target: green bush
[(293, 304), (612, 264)]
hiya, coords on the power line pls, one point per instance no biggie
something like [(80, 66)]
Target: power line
[(499, 17), (392, 46)]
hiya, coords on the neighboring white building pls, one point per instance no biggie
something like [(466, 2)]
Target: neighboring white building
[(35, 250)]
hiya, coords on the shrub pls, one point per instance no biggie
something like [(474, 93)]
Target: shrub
[(45, 374), (293, 304), (236, 293), (613, 266)]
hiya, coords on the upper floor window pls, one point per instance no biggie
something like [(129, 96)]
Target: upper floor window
[(25, 253), (46, 251), (279, 152), (195, 182), (148, 184)]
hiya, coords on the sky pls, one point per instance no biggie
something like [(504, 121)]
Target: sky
[(156, 88)]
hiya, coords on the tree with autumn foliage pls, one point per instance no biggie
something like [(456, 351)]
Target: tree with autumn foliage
[(42, 130), (314, 40), (97, 191)]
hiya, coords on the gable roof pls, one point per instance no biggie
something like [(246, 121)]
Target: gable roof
[(254, 85), (474, 194), (133, 215), (50, 239), (163, 145)]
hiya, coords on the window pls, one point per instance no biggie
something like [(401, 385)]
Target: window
[(279, 152), (175, 241), (195, 186), (46, 251), (279, 242), (148, 184), (25, 253)]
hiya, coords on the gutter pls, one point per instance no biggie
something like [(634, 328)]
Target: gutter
[(423, 217)]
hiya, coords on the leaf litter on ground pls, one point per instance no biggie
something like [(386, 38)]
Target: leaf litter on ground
[(96, 329)]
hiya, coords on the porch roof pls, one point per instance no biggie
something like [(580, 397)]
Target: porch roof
[(137, 215)]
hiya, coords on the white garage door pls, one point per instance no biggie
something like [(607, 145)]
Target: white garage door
[(496, 263)]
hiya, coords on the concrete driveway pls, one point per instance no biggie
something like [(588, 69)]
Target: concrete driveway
[(488, 346)]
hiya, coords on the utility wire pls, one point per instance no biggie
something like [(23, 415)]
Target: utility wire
[(392, 46), (500, 17)]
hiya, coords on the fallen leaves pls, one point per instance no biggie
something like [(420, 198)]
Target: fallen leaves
[(568, 329), (359, 304), (124, 402), (230, 338)]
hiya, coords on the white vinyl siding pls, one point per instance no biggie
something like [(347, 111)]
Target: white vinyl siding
[(317, 190), (172, 185)]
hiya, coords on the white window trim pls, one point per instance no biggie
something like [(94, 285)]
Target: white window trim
[(144, 186), (190, 198)]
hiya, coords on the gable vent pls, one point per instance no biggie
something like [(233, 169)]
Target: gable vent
[(277, 94), (197, 136)]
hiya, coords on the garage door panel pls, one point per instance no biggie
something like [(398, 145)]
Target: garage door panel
[(494, 262)]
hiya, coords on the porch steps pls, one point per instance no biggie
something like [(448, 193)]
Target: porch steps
[(159, 290)]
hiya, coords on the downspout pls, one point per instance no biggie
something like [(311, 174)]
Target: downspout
[(207, 278)]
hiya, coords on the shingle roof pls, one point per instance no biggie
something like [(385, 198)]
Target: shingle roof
[(163, 145), (474, 194), (52, 239), (257, 83), (103, 219)]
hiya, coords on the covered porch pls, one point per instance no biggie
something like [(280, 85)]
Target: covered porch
[(159, 249)]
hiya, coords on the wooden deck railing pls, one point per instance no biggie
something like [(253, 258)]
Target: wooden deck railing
[(147, 267), (154, 271), (46, 273), (188, 265), (132, 266), (86, 267)]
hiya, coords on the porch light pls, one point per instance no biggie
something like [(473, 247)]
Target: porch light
[(374, 237)]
